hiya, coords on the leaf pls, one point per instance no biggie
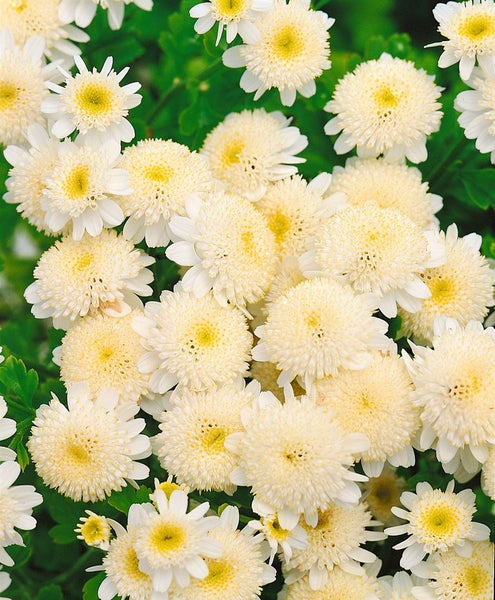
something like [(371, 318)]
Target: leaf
[(23, 457), (19, 381), (50, 592), (122, 500), (479, 185), (63, 533), (90, 588)]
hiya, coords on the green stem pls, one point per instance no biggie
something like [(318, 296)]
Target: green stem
[(449, 157)]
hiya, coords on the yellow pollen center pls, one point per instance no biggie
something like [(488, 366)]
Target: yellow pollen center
[(476, 580), (159, 173), (18, 5), (95, 99), (231, 154), (220, 574), (167, 538), (78, 453), (477, 26), (82, 262), (277, 532), (365, 401), (440, 521), (248, 243), (106, 353), (92, 530), (168, 487), (206, 336), (279, 225), (131, 567), (441, 290), (77, 183), (229, 9), (213, 440), (288, 43), (8, 95)]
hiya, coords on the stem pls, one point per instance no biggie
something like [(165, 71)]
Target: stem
[(449, 157)]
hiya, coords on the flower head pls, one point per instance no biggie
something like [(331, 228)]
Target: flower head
[(385, 106), (488, 474), (94, 530), (83, 11), (382, 493)]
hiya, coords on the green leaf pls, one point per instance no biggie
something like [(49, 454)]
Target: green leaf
[(50, 592), (17, 380), (63, 533), (23, 457), (90, 588), (479, 185), (122, 500)]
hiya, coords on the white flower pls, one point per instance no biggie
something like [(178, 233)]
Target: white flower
[(438, 521), (89, 449), (291, 51), (237, 17), (488, 474), (399, 587), (16, 504), (79, 188), (470, 31), (385, 106), (94, 530), (93, 103), (7, 429), (83, 11)]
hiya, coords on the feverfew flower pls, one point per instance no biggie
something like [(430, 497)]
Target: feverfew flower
[(488, 474), (389, 185), (191, 443), (291, 51), (237, 17), (247, 150), (28, 18), (162, 175), (454, 382), (83, 11), (22, 86), (461, 288), (240, 572), (103, 351), (17, 504), (295, 458), (399, 587), (385, 106), (382, 493), (73, 278), (229, 247), (80, 187), (477, 107), (30, 168), (457, 577), (94, 530), (334, 541), (94, 103), (171, 544), (375, 401), (317, 327), (7, 429), (377, 250), (470, 31), (88, 450), (192, 341), (438, 521)]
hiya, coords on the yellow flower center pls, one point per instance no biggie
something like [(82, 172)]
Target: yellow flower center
[(249, 245), (213, 439), (168, 487), (160, 173), (18, 5), (76, 184), (476, 580), (476, 27), (78, 453), (385, 98), (8, 95), (131, 567), (106, 353), (279, 225), (231, 154), (274, 529), (440, 520), (229, 9), (469, 386), (167, 538), (206, 336), (82, 262), (288, 43), (94, 99), (220, 574), (93, 530)]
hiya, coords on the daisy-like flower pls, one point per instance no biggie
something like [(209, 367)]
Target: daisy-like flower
[(382, 493), (30, 168), (171, 544), (88, 449), (389, 185), (295, 458), (28, 18), (250, 149), (334, 541), (17, 504), (437, 522), (229, 247), (192, 341), (94, 103), (83, 11), (162, 175), (103, 351), (340, 584), (240, 572), (22, 86), (94, 530), (277, 537), (385, 106), (454, 381), (317, 327), (488, 474), (73, 278), (470, 31), (377, 250), (365, 401), (461, 288), (80, 187), (191, 443), (399, 587), (291, 51), (477, 107), (456, 577), (7, 429), (236, 17), (295, 211)]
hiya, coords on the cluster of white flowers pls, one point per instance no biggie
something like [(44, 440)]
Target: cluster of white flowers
[(269, 365)]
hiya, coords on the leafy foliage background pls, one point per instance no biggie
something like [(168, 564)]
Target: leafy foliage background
[(186, 92)]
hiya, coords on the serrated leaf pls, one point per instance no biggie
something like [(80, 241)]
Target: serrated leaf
[(19, 381), (90, 588), (122, 500), (50, 592)]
